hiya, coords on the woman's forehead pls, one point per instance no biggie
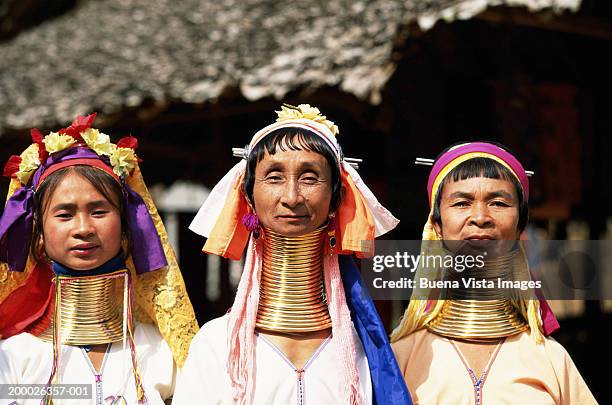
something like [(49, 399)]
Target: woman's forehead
[(289, 157), (478, 184), (74, 188)]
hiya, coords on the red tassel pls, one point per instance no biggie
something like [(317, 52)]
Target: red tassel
[(12, 166)]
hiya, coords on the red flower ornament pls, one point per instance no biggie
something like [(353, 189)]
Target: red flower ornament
[(37, 138), (78, 125), (12, 166), (128, 142)]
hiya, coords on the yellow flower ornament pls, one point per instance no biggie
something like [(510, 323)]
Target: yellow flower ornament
[(121, 155), (55, 142), (29, 163), (123, 161), (98, 142), (289, 112)]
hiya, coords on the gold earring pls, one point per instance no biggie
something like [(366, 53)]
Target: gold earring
[(331, 231)]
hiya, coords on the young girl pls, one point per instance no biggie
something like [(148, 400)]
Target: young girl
[(86, 256)]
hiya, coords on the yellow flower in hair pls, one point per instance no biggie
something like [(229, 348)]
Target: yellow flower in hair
[(310, 112), (332, 127), (98, 142), (55, 142), (123, 161), (29, 163), (306, 111)]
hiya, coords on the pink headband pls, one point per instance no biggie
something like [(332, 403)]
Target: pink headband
[(478, 147)]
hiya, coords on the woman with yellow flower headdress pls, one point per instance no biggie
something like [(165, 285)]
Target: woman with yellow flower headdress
[(90, 291), (302, 329), (469, 344)]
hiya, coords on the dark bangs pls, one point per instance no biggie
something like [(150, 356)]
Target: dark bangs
[(286, 139), (481, 167)]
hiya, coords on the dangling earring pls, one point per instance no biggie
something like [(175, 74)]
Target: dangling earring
[(331, 231), (251, 222)]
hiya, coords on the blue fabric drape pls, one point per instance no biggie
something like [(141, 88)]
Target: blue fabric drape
[(387, 379)]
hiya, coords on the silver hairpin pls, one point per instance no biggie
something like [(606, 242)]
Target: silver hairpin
[(242, 153), (424, 161), (353, 162), (430, 162), (238, 152)]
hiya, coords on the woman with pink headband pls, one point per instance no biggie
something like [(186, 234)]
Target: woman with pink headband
[(302, 329), (465, 345)]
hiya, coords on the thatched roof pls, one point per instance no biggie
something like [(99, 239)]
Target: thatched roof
[(107, 55)]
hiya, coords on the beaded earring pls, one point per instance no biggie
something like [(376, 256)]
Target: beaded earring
[(251, 222)]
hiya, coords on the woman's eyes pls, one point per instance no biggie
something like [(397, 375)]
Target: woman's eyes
[(500, 204), (467, 204), (274, 178), (460, 204), (68, 215), (308, 179)]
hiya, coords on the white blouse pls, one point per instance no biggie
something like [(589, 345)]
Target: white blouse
[(26, 359), (204, 380)]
